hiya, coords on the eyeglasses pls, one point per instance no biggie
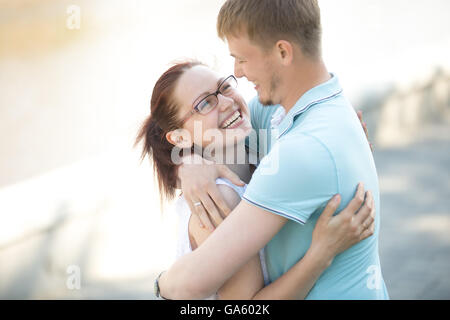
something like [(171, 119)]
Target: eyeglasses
[(205, 105)]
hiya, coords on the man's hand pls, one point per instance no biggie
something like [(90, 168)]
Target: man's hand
[(198, 183), (363, 124)]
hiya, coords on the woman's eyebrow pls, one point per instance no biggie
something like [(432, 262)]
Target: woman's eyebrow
[(204, 94), (219, 81)]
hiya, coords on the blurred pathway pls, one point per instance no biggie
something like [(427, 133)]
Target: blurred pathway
[(122, 244), (415, 221)]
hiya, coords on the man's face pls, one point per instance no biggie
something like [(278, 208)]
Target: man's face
[(258, 66)]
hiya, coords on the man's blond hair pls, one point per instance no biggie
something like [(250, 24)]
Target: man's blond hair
[(267, 21)]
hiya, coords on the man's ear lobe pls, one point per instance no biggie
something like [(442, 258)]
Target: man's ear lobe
[(285, 51), (180, 138)]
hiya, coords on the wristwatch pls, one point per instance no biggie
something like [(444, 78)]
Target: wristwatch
[(156, 287)]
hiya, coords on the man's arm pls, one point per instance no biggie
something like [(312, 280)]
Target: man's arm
[(239, 238), (331, 236), (197, 179)]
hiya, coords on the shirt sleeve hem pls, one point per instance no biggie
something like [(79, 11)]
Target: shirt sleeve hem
[(276, 211)]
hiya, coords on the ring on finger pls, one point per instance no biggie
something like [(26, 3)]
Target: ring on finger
[(196, 204)]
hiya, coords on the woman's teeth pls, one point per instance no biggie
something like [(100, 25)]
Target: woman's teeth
[(235, 117)]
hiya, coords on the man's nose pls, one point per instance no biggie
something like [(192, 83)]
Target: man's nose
[(238, 73)]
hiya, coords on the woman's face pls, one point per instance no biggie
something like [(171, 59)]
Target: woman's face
[(226, 124)]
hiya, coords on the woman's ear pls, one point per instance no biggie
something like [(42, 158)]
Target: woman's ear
[(180, 138)]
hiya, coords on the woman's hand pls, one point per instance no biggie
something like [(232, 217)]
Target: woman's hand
[(198, 182), (334, 234), (364, 125)]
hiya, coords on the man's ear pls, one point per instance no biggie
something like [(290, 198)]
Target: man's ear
[(180, 138), (285, 52)]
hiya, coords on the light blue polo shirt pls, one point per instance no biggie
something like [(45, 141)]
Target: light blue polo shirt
[(320, 150)]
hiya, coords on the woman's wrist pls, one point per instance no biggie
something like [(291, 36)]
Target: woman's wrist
[(320, 257)]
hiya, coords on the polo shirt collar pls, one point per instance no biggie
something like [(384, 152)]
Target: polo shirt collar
[(322, 92)]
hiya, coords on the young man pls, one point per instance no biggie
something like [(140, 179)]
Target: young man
[(320, 150)]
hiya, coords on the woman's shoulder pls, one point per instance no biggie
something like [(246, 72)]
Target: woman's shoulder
[(181, 206), (238, 189)]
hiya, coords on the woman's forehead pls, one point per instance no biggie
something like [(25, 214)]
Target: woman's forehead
[(197, 81), (201, 76)]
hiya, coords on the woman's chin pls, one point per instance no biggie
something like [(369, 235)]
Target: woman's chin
[(246, 128)]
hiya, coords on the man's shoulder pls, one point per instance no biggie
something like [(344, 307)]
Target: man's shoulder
[(332, 124), (328, 112), (302, 143), (298, 156)]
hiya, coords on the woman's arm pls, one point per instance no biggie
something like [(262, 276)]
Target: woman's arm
[(296, 283), (331, 236), (249, 279)]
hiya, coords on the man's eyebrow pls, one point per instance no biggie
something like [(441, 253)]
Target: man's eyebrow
[(204, 94), (236, 57)]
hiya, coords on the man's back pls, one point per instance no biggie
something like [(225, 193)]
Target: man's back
[(322, 150)]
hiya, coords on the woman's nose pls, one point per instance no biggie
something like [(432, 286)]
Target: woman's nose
[(224, 102)]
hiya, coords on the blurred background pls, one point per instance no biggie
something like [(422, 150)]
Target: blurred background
[(79, 214)]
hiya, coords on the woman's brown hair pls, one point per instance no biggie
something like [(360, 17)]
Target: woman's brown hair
[(162, 119)]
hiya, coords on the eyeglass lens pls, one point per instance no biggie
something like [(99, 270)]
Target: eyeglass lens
[(211, 101)]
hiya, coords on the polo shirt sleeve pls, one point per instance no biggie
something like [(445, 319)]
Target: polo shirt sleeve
[(296, 178)]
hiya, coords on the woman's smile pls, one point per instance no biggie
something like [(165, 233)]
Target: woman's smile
[(232, 121)]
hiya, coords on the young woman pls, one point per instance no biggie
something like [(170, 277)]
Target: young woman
[(193, 108)]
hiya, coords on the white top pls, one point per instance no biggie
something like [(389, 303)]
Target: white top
[(184, 244)]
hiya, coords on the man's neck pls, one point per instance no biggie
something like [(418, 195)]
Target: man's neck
[(302, 79)]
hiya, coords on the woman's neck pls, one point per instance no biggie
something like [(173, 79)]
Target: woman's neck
[(236, 158), (242, 170)]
